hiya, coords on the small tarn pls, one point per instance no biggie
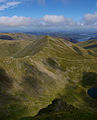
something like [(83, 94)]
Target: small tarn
[(92, 92)]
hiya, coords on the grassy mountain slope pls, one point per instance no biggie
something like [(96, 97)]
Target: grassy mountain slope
[(9, 48), (42, 71), (12, 43), (90, 44), (56, 45)]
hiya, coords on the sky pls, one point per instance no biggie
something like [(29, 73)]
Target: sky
[(30, 15)]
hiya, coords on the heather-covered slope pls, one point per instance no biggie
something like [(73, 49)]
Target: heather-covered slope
[(46, 69)]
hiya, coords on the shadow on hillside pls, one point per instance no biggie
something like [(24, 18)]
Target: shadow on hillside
[(74, 92), (89, 79), (92, 53), (78, 50), (6, 82), (4, 78), (11, 106), (36, 82), (6, 37), (32, 80), (57, 106), (52, 62), (91, 46)]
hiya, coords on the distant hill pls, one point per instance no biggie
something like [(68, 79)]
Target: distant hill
[(6, 37), (66, 36), (71, 40), (89, 44), (93, 38), (16, 36), (11, 43)]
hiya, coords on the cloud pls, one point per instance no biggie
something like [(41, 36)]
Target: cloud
[(9, 5), (57, 20), (90, 19), (53, 19), (48, 22), (15, 21)]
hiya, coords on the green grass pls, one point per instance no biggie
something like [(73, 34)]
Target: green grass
[(36, 71)]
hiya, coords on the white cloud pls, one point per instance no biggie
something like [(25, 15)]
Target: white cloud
[(53, 19), (46, 21), (90, 19), (57, 20), (9, 5), (15, 21)]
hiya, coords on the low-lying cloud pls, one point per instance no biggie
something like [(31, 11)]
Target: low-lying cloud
[(90, 19), (15, 21), (58, 21), (48, 21), (53, 19)]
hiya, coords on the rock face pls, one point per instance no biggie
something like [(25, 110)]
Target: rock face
[(60, 110), (58, 105)]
